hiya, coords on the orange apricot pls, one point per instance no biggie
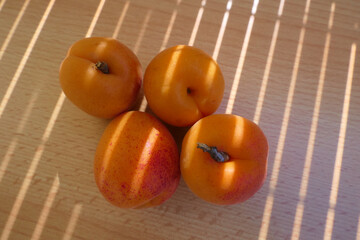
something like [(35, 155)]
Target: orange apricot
[(101, 76), (183, 84), (224, 158)]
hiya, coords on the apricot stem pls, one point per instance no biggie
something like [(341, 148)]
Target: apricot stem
[(102, 66), (218, 156)]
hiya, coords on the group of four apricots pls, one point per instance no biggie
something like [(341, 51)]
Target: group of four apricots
[(223, 157)]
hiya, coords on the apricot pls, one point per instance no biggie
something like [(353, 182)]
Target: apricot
[(224, 158), (137, 161), (101, 76), (183, 84)]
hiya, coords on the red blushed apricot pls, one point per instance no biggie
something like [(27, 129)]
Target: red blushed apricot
[(137, 161)]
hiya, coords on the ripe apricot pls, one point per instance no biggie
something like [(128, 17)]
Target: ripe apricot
[(224, 158), (101, 76), (183, 84), (137, 161)]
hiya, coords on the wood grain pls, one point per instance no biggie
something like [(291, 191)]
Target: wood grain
[(296, 70)]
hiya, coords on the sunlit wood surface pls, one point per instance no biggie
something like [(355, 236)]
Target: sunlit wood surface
[(292, 66)]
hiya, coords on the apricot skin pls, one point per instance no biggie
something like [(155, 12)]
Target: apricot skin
[(96, 93), (136, 162), (183, 84), (235, 180)]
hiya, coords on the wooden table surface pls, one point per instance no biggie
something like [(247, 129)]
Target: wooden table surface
[(292, 66)]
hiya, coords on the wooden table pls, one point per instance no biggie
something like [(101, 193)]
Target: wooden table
[(292, 66)]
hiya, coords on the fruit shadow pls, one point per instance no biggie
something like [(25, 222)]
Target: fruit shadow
[(183, 197), (186, 205), (78, 198)]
